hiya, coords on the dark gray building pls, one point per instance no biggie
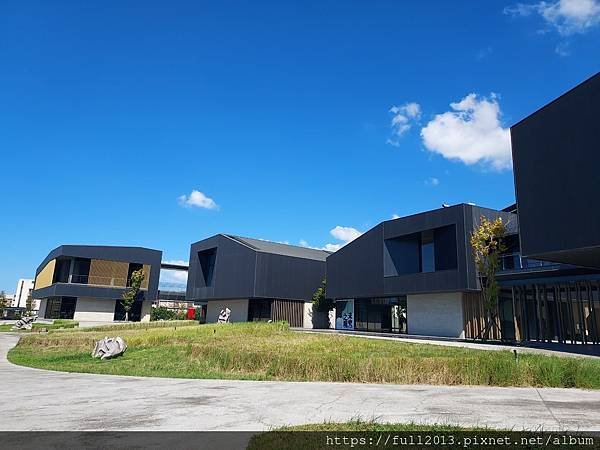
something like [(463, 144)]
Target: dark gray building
[(551, 281), (410, 275), (255, 279), (86, 282), (556, 158)]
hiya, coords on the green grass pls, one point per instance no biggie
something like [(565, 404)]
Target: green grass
[(38, 326), (314, 436), (261, 351)]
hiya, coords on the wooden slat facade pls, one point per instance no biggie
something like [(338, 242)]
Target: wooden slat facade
[(292, 311), (474, 317), (108, 273)]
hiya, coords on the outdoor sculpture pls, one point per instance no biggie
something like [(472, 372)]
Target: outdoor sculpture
[(224, 315), (25, 323), (109, 348)]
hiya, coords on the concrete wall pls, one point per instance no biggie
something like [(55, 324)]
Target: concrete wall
[(307, 321), (95, 309), (239, 310), (42, 308), (146, 310), (439, 314)]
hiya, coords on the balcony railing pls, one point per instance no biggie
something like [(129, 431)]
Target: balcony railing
[(98, 281), (514, 261)]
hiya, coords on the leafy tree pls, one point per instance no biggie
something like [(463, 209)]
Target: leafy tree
[(487, 246), (320, 301), (3, 303), (29, 305), (129, 296)]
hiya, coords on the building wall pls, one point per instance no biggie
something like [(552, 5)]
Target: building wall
[(438, 314), (107, 262), (555, 162), (146, 311), (94, 309), (42, 308), (239, 310), (308, 315), (385, 261), (24, 287)]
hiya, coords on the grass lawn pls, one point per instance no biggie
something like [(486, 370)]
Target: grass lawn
[(261, 351)]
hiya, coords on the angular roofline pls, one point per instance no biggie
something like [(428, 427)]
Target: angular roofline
[(242, 240), (547, 105)]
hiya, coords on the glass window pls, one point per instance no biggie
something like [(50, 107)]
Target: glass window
[(427, 252)]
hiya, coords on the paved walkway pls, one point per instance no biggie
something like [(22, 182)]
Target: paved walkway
[(45, 400), (562, 350)]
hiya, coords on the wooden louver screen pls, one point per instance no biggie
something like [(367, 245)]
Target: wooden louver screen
[(108, 273), (292, 311), (474, 317), (146, 270)]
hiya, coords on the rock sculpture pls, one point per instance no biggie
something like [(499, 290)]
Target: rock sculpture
[(224, 315), (24, 323), (109, 348)]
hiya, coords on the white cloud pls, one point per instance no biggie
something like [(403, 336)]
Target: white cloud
[(567, 17), (344, 234), (471, 133), (432, 181), (197, 199), (332, 247), (395, 216), (403, 119)]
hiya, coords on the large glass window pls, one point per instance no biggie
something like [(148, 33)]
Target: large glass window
[(207, 259), (60, 308), (81, 271), (259, 310), (385, 315), (427, 252)]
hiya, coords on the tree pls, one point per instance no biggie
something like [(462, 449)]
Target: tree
[(487, 246), (320, 301), (29, 305), (3, 303), (129, 296)]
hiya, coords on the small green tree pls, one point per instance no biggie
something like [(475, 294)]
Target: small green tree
[(3, 303), (487, 246), (129, 296), (320, 301), (29, 305)]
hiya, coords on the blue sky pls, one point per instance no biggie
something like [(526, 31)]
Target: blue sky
[(303, 122)]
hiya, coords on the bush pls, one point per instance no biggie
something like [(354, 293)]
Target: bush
[(162, 313)]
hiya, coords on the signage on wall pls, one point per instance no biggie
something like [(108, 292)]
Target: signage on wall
[(345, 315)]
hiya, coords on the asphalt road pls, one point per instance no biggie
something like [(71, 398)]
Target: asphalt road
[(44, 400)]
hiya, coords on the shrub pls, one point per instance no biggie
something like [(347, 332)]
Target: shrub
[(162, 313)]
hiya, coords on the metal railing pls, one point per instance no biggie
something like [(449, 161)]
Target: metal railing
[(98, 281), (514, 261)]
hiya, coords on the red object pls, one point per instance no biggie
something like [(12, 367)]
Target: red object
[(191, 314)]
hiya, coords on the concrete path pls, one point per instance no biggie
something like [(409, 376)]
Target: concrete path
[(44, 400), (562, 350)]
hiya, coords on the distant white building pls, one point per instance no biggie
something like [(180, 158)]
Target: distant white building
[(24, 288), (9, 299)]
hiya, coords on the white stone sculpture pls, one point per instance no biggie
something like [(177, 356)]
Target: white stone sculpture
[(24, 323), (109, 348), (224, 315)]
